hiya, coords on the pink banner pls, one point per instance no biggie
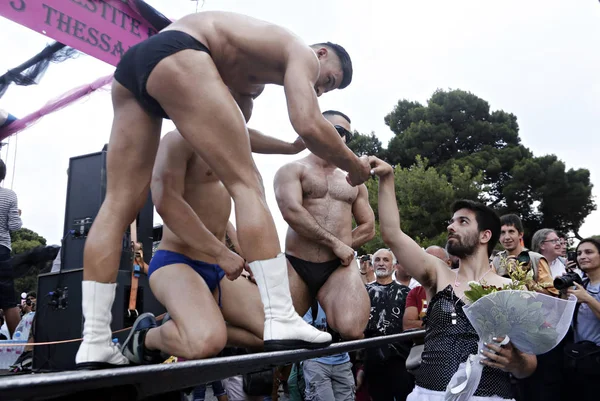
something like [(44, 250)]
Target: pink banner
[(104, 29)]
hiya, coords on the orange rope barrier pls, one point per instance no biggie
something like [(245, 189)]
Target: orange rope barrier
[(160, 317)]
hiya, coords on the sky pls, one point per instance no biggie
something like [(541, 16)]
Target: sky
[(536, 59)]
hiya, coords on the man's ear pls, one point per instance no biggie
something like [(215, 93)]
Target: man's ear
[(321, 52), (485, 236)]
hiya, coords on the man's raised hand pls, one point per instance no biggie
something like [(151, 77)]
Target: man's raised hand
[(360, 175), (379, 167)]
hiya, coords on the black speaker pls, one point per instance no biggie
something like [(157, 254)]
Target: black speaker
[(86, 190), (59, 316)]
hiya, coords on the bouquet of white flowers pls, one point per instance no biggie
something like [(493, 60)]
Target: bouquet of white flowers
[(534, 322)]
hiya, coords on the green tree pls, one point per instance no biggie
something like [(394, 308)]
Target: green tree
[(424, 198), (366, 145), (24, 240), (457, 128), (562, 199)]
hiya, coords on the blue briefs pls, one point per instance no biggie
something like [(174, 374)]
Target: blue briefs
[(211, 273)]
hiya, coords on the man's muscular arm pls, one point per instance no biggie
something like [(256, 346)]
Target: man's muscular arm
[(364, 217), (303, 108), (261, 143), (419, 264), (288, 192), (168, 184)]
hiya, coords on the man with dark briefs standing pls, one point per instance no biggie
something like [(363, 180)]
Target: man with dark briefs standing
[(187, 73), (318, 204)]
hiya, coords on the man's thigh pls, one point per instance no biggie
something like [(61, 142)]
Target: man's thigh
[(345, 301), (342, 382), (299, 291), (186, 297), (317, 377), (241, 305)]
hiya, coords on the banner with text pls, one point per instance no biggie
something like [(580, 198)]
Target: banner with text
[(104, 29)]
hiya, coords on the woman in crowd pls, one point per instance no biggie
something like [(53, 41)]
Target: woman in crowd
[(584, 368)]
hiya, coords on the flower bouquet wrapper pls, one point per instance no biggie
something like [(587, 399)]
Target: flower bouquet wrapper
[(535, 323)]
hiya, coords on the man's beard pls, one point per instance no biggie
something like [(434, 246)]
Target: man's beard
[(383, 273), (462, 248)]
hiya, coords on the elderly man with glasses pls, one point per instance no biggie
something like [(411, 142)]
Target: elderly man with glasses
[(547, 242)]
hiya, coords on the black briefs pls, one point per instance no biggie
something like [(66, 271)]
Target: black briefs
[(138, 62), (314, 274)]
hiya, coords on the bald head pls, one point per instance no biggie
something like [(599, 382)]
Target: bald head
[(439, 253)]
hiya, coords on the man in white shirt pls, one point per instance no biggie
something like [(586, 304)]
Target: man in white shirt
[(547, 242), (401, 276)]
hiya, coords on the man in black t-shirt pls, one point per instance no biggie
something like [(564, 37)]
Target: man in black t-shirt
[(385, 367)]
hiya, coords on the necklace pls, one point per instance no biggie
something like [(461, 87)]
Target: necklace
[(456, 283), (453, 314)]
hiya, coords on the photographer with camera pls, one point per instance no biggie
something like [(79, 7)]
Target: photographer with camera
[(582, 357), (30, 303), (365, 267), (547, 242)]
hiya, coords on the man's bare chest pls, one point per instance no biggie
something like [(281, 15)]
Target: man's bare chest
[(328, 186)]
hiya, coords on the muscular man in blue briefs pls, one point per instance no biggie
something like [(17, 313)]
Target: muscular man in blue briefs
[(184, 274)]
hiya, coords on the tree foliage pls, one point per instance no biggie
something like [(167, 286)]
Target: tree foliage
[(366, 145), (24, 240), (456, 129), (424, 198)]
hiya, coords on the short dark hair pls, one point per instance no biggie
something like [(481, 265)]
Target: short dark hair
[(2, 170), (590, 240), (487, 219), (345, 62), (337, 113), (512, 220), (31, 294)]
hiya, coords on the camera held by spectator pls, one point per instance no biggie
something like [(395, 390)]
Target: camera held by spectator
[(567, 280)]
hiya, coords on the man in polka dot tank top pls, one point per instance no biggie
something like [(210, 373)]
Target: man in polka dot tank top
[(473, 231)]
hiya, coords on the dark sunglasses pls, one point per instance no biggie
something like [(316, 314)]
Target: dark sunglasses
[(344, 132)]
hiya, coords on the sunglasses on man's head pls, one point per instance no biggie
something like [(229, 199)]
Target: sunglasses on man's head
[(344, 132)]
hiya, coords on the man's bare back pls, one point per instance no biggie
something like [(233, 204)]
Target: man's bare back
[(248, 52), (328, 197)]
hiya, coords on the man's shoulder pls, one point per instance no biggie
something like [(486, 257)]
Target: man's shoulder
[(295, 164), (400, 287), (8, 193), (417, 290), (294, 167), (536, 257)]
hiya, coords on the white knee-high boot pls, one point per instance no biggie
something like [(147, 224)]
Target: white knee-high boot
[(284, 328), (97, 349)]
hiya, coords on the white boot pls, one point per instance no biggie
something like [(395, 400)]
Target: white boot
[(97, 349), (284, 328)]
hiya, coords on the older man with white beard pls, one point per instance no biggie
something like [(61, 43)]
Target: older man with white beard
[(385, 367)]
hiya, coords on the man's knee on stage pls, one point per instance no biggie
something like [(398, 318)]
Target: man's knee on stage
[(204, 342), (348, 325)]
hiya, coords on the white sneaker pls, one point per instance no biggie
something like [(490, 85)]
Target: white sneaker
[(284, 328)]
